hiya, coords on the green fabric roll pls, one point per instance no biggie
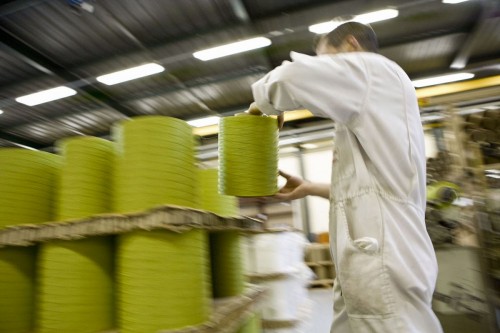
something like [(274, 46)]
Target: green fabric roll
[(85, 178), (163, 280), (155, 164), (27, 180), (17, 284), (251, 325), (75, 292), (211, 200), (248, 156), (226, 262)]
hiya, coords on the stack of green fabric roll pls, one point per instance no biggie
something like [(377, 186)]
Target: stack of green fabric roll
[(84, 186), (211, 200), (75, 292), (163, 280), (248, 156), (27, 179), (17, 285), (76, 277), (226, 262), (155, 164)]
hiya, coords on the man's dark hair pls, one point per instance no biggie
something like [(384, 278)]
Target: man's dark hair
[(364, 34)]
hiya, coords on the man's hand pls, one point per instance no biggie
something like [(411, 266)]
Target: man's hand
[(253, 109), (295, 188), (298, 188)]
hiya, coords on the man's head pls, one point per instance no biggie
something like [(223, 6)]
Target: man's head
[(348, 37)]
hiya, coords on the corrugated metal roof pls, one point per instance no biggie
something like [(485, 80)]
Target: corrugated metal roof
[(425, 38)]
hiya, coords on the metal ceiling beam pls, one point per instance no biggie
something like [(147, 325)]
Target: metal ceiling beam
[(10, 7), (17, 140), (488, 10), (32, 57), (240, 11)]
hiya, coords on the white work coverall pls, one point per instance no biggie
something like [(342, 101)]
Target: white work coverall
[(386, 265)]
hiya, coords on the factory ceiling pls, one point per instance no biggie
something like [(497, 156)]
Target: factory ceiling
[(50, 43)]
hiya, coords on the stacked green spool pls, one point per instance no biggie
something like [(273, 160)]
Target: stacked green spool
[(75, 286), (17, 284), (226, 262), (248, 156), (155, 164), (85, 181), (251, 325), (76, 277), (211, 200), (27, 179), (163, 280)]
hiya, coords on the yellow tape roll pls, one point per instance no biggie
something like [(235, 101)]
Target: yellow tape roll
[(248, 156), (75, 291), (27, 183), (155, 164), (163, 280), (85, 179), (211, 200), (227, 265), (17, 285)]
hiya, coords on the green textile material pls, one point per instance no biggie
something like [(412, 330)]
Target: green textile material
[(85, 178), (163, 280), (75, 291), (155, 164), (17, 288), (27, 180), (227, 266), (211, 200), (248, 156), (251, 325)]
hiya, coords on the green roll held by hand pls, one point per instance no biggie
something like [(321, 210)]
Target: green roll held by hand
[(248, 156)]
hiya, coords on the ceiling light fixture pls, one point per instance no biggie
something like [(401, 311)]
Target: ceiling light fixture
[(366, 18), (232, 48), (1, 111), (207, 121), (453, 1), (130, 74), (46, 96), (431, 81)]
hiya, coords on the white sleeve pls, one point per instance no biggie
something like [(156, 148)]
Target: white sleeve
[(328, 86)]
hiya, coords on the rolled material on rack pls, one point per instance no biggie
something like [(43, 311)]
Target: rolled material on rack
[(211, 200), (75, 292), (251, 325), (163, 280), (227, 264), (27, 179), (155, 164), (17, 285), (85, 179), (248, 156)]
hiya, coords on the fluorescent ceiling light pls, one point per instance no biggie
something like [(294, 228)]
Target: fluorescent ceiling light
[(431, 81), (379, 15), (371, 17), (207, 121), (324, 27), (46, 96), (454, 1), (232, 48), (130, 74)]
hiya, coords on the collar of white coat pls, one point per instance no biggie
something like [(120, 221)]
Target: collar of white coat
[(295, 56)]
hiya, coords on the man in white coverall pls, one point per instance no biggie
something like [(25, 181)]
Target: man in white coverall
[(385, 262)]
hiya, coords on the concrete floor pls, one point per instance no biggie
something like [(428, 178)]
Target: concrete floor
[(322, 303)]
